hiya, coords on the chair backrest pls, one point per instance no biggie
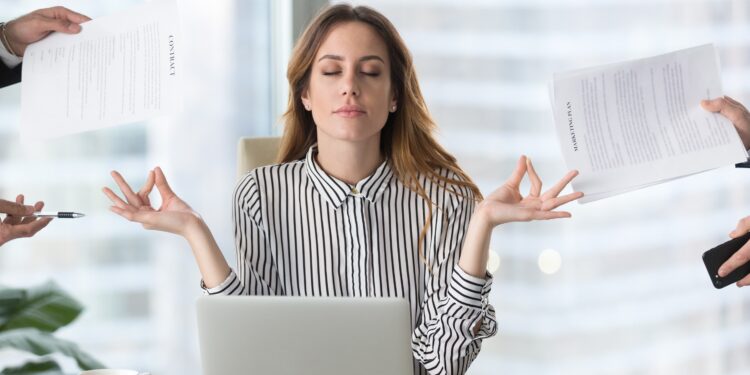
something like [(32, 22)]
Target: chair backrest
[(256, 152)]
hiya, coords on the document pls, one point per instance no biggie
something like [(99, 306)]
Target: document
[(628, 125), (119, 69)]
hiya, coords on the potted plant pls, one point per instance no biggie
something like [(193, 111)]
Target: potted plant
[(29, 317)]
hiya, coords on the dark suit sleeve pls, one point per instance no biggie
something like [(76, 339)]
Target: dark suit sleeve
[(9, 76)]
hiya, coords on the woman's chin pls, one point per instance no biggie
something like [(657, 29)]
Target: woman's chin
[(352, 134)]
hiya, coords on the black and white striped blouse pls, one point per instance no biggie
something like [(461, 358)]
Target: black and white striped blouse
[(300, 232)]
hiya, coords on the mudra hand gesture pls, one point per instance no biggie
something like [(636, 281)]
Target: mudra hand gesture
[(506, 204), (174, 215)]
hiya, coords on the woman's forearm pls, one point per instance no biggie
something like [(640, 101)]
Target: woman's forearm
[(211, 262), (475, 252)]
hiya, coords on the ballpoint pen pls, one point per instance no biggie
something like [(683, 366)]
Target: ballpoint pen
[(61, 215)]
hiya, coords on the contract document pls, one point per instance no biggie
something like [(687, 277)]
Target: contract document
[(628, 125), (120, 68)]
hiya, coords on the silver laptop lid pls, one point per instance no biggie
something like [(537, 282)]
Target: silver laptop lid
[(304, 335)]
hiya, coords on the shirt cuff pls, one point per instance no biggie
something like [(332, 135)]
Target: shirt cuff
[(226, 287), (8, 59), (468, 290)]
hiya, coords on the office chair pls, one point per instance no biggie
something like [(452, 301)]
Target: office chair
[(256, 152)]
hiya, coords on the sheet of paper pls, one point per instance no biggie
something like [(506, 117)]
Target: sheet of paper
[(119, 69), (629, 125)]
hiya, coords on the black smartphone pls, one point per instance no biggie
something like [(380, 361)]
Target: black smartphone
[(714, 258)]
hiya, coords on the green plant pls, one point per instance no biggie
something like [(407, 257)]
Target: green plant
[(28, 317)]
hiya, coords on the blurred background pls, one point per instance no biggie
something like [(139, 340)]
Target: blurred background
[(618, 289)]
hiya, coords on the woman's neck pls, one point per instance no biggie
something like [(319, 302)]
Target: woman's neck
[(350, 162)]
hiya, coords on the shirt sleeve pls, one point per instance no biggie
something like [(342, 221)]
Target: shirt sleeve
[(256, 272), (454, 303), (8, 59)]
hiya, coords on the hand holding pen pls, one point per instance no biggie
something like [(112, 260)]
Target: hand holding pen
[(18, 221)]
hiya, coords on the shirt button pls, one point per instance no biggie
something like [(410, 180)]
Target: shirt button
[(355, 191)]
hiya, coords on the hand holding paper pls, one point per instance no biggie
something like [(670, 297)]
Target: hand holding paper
[(735, 112), (118, 69), (36, 25), (628, 125)]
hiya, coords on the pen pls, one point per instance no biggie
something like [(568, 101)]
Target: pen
[(61, 215)]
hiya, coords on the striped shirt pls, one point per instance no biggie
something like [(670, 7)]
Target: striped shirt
[(301, 232)]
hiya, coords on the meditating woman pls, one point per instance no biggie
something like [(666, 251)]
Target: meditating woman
[(364, 202)]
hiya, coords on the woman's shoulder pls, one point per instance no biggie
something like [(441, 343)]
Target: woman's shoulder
[(276, 173), (449, 183)]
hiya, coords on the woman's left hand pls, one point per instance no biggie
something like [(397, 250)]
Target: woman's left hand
[(506, 204)]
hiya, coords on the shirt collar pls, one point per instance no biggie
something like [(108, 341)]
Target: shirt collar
[(336, 191)]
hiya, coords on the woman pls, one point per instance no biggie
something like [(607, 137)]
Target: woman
[(364, 202)]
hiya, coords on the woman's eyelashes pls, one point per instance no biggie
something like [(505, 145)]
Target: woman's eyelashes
[(338, 72)]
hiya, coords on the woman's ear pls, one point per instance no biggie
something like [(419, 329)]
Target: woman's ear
[(394, 104), (306, 99)]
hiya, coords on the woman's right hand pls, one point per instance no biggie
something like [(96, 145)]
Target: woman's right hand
[(174, 215)]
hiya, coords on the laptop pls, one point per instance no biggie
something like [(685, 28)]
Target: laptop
[(304, 335)]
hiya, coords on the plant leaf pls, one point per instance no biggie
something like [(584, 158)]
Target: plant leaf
[(45, 366), (42, 343), (9, 299), (45, 307)]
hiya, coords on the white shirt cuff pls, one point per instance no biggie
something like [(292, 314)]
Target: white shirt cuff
[(8, 59)]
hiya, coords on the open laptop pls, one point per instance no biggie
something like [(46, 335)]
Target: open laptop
[(304, 335)]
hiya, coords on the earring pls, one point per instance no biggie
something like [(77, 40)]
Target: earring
[(307, 107), (393, 109)]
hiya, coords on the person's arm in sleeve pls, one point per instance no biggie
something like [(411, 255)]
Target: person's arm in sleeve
[(462, 317), (456, 315), (256, 272), (17, 34)]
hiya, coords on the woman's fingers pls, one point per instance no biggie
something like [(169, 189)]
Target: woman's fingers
[(549, 215), (515, 178), (551, 204), (146, 189), (132, 198), (536, 182), (162, 185), (114, 198), (560, 185)]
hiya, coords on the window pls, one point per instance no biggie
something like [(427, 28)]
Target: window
[(139, 287), (631, 294)]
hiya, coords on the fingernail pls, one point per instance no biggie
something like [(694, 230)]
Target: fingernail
[(722, 272)]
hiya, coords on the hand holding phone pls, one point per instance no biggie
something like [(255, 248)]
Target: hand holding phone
[(714, 258)]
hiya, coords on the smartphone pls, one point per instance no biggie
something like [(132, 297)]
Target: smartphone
[(714, 258)]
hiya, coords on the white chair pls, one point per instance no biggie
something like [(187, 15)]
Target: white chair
[(256, 152)]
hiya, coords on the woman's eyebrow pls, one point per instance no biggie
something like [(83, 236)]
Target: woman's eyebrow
[(341, 58)]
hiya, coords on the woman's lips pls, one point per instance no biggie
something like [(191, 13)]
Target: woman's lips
[(350, 114), (350, 111)]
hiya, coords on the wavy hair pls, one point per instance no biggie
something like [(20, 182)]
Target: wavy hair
[(407, 138)]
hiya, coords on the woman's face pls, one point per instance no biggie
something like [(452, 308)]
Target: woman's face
[(350, 91)]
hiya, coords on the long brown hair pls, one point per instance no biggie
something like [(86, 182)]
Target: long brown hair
[(407, 138)]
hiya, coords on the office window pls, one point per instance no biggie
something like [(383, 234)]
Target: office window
[(630, 294), (138, 286)]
